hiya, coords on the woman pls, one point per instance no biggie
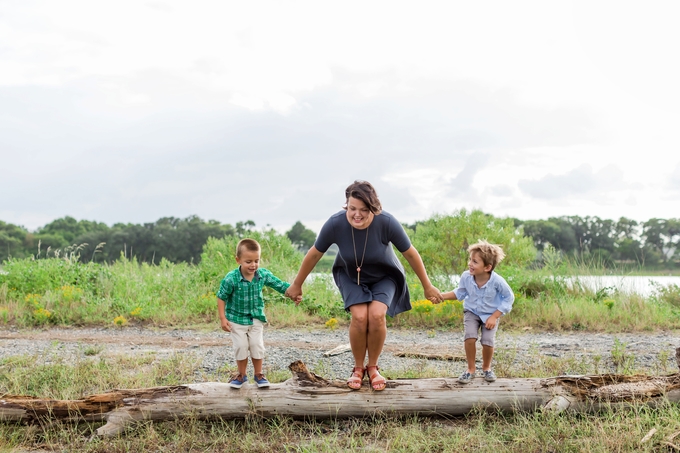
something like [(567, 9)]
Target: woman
[(368, 274)]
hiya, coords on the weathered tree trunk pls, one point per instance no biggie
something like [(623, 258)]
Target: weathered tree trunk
[(309, 396)]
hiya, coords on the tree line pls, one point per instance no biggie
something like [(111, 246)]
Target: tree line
[(170, 238), (651, 243), (655, 242)]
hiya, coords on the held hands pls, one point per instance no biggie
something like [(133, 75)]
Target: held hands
[(294, 292), (433, 294)]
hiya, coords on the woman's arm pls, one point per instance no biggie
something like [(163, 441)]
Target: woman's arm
[(312, 257), (416, 263)]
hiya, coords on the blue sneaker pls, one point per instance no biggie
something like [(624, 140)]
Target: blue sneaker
[(489, 376), (261, 381), (466, 377), (238, 380)]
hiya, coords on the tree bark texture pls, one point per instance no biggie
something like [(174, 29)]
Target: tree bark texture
[(308, 396)]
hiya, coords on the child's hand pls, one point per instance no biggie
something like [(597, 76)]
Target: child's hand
[(294, 292), (298, 299), (433, 294), (491, 322), (225, 325)]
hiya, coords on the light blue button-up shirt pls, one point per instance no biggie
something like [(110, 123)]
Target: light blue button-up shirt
[(494, 295)]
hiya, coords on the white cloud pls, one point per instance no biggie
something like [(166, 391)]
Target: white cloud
[(130, 111), (578, 183), (674, 179)]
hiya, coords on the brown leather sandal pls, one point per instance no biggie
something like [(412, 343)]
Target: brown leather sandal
[(378, 383), (355, 380)]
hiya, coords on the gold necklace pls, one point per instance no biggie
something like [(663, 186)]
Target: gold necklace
[(362, 255)]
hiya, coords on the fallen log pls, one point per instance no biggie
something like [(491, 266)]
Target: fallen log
[(308, 396), (431, 356)]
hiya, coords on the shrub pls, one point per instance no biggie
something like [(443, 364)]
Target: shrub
[(667, 294), (28, 275), (426, 314), (443, 240)]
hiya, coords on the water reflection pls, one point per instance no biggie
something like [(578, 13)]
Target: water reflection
[(642, 285)]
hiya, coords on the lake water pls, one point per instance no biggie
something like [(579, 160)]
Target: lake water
[(642, 285)]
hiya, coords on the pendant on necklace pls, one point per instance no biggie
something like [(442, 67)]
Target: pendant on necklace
[(358, 274)]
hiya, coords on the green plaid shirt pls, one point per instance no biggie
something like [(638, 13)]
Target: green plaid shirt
[(243, 299)]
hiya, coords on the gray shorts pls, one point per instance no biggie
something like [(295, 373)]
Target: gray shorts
[(473, 323)]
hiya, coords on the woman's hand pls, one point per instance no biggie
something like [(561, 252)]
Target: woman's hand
[(433, 294), (294, 291)]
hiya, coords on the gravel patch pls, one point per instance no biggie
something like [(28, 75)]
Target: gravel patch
[(650, 352)]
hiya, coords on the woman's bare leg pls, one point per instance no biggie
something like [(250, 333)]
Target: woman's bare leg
[(377, 331), (358, 327)]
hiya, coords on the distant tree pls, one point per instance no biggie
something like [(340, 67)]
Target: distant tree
[(557, 231), (68, 229), (12, 241), (243, 228), (542, 232), (673, 235), (627, 229), (628, 249), (663, 236), (170, 238), (627, 244), (601, 236), (302, 237), (573, 234)]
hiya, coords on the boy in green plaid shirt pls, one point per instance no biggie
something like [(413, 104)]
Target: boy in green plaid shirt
[(241, 309)]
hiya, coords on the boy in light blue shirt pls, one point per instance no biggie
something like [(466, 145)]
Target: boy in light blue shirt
[(486, 297)]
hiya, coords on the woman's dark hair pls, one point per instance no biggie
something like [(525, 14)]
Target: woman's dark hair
[(364, 191)]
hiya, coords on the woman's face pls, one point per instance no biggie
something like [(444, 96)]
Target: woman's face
[(358, 214)]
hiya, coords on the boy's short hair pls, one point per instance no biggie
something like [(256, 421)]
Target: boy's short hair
[(489, 253), (247, 244)]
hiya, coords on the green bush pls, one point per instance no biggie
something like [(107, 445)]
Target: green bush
[(28, 275), (667, 294), (443, 240)]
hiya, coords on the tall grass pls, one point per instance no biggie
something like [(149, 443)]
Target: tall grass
[(62, 291)]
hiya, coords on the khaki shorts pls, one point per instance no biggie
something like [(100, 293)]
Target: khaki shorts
[(248, 339), (473, 324)]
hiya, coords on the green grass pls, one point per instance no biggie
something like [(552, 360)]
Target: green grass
[(65, 292), (608, 430)]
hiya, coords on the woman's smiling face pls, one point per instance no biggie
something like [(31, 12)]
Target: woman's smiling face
[(358, 214)]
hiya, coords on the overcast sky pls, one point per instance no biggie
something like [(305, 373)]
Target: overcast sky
[(131, 110)]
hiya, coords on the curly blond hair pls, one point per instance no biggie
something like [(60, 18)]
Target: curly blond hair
[(491, 254)]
